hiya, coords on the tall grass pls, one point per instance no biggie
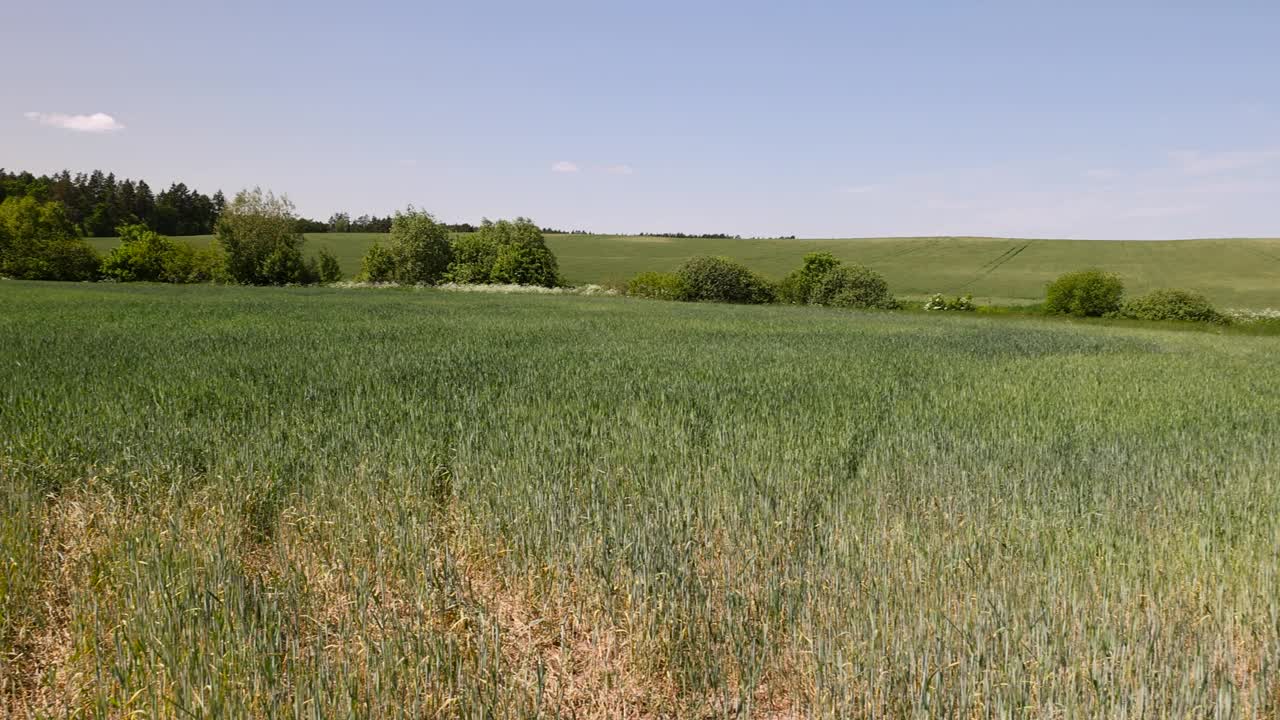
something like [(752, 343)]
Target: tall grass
[(324, 503)]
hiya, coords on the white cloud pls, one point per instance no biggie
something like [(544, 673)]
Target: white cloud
[(619, 170), (564, 166), (95, 123), (858, 189)]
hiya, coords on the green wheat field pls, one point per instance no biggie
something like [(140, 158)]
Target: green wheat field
[(323, 503), (1233, 273)]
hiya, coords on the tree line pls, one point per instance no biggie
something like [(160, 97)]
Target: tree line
[(258, 241), (97, 203)]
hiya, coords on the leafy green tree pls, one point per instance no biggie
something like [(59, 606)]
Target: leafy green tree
[(329, 271), (378, 264), (258, 232), (473, 256), (39, 242), (719, 279), (420, 248), (506, 251), (796, 287), (852, 286), (141, 255), (1085, 293)]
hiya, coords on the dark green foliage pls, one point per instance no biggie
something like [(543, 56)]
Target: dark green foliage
[(1173, 305), (521, 263), (38, 242), (656, 286), (824, 280), (1084, 293), (506, 251), (329, 270), (419, 247), (96, 203), (719, 279), (797, 286), (473, 257), (258, 232), (852, 286)]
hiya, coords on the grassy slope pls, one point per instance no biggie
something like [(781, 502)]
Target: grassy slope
[(1233, 273), (432, 504)]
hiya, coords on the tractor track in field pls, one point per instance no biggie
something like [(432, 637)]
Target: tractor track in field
[(994, 264), (916, 247)]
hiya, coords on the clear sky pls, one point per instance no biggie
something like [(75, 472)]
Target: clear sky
[(1049, 119)]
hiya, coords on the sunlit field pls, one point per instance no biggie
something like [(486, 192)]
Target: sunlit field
[(1234, 273), (256, 502)]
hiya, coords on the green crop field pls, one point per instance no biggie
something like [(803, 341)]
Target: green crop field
[(1235, 273), (317, 502)]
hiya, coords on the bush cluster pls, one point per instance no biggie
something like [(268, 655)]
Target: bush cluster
[(1173, 305), (1085, 293), (719, 279), (511, 252), (419, 251), (38, 242), (1094, 293), (144, 255), (821, 280)]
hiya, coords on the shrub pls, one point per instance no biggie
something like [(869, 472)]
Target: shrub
[(505, 251), (39, 242), (719, 279), (189, 264), (141, 255), (523, 264), (797, 287), (1173, 305), (656, 286), (259, 233), (961, 304), (852, 286), (420, 248), (377, 265), (329, 271), (1085, 293), (473, 256)]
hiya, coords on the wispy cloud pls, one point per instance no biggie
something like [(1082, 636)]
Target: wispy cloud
[(564, 166), (95, 123), (857, 189), (619, 170)]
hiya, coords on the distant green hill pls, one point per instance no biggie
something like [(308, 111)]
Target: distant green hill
[(1232, 272)]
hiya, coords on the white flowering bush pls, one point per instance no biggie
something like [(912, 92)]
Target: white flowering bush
[(962, 304), (510, 289)]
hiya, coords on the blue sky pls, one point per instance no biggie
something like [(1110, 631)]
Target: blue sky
[(1080, 119)]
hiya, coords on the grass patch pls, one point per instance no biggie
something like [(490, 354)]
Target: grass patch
[(265, 501)]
